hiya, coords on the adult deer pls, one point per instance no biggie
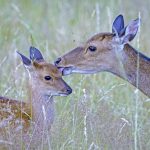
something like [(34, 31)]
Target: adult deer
[(111, 52), (17, 117)]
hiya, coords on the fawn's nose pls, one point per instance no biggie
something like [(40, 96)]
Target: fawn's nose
[(69, 90), (57, 61)]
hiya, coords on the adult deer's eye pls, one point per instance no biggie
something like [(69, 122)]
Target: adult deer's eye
[(92, 48), (47, 78)]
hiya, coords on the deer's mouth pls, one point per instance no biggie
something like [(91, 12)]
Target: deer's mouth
[(69, 70), (65, 70)]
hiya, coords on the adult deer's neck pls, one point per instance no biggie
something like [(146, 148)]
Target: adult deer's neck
[(130, 66)]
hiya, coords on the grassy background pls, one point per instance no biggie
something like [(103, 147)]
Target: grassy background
[(103, 111)]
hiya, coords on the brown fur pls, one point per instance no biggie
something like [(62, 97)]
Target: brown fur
[(18, 111)]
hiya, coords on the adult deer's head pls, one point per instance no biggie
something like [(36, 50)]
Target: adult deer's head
[(99, 52)]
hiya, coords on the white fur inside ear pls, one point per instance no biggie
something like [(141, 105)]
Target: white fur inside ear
[(133, 26), (131, 31)]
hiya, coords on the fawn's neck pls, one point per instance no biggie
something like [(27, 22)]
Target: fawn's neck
[(42, 108), (131, 66)]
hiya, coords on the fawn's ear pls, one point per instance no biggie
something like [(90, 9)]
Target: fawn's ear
[(118, 25), (35, 54), (25, 60), (130, 31)]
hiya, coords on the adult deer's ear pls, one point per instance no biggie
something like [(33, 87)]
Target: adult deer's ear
[(118, 25), (35, 54), (130, 31), (25, 60)]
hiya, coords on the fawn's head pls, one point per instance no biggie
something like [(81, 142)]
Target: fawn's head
[(45, 77), (99, 52)]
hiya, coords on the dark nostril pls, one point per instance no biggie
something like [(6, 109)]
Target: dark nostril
[(57, 61), (69, 90)]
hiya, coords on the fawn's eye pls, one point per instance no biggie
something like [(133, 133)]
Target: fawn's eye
[(92, 48), (47, 78)]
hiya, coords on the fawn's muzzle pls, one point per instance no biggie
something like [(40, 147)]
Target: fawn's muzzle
[(69, 90)]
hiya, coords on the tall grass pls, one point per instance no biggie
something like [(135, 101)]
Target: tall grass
[(103, 112)]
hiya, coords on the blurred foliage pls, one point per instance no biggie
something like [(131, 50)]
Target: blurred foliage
[(100, 114)]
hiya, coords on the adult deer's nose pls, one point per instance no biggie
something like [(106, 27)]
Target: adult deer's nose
[(57, 61)]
